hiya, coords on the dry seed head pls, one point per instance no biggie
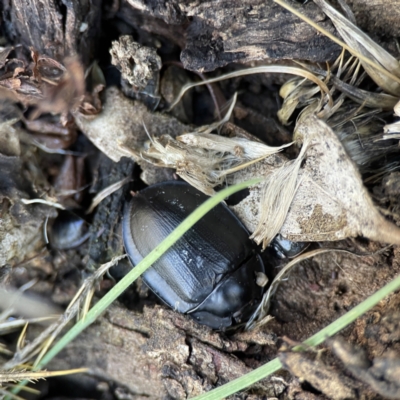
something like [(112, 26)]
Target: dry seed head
[(239, 147), (301, 96), (208, 159), (290, 86), (362, 43)]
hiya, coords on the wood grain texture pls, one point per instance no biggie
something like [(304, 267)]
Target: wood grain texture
[(379, 17), (54, 29), (219, 33)]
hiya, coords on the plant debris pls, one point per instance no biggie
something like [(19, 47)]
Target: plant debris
[(78, 137)]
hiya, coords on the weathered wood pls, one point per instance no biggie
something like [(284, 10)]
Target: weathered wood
[(241, 31), (378, 17), (160, 352), (54, 29)]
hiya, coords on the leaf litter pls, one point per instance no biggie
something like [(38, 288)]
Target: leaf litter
[(318, 196)]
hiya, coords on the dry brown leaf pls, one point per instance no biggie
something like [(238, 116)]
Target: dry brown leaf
[(68, 91), (120, 126), (331, 202), (46, 84), (119, 130), (46, 68), (91, 103)]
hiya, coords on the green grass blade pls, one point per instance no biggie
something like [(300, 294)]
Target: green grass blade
[(262, 372), (250, 378), (121, 286)]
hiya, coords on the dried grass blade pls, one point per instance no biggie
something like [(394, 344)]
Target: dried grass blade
[(41, 343), (107, 192), (203, 159), (280, 69), (361, 42), (391, 131), (368, 99), (224, 120), (258, 317), (278, 193), (12, 325), (16, 376), (363, 58), (396, 109)]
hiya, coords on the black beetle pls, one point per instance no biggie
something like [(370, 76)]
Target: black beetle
[(68, 231), (210, 273)]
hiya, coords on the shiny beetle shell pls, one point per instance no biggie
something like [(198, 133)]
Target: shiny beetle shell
[(68, 231), (285, 248), (210, 273)]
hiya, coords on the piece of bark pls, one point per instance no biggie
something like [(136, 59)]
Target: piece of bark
[(172, 12), (140, 70), (140, 20), (105, 234), (382, 374), (248, 31), (186, 351), (376, 16), (57, 29), (166, 352), (139, 65), (112, 350), (224, 32), (324, 379)]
